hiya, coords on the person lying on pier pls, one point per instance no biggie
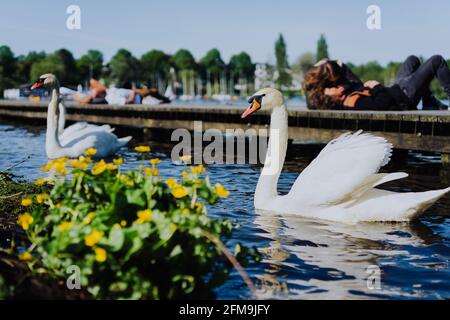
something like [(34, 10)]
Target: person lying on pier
[(99, 94), (96, 94), (148, 96), (331, 85)]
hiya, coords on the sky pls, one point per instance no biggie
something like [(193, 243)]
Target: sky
[(407, 27)]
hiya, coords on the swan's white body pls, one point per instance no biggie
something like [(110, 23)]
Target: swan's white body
[(76, 141), (340, 183), (77, 129)]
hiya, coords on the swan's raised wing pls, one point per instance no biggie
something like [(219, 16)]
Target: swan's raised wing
[(344, 166)]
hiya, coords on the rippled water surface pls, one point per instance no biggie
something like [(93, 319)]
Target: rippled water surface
[(306, 259)]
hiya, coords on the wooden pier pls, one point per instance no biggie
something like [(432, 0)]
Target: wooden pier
[(415, 130)]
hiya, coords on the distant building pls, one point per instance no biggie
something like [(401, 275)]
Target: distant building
[(264, 76)]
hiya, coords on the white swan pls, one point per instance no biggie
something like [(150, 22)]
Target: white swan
[(106, 143), (340, 183), (77, 129)]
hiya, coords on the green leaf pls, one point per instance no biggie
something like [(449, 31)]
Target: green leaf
[(136, 197), (176, 251), (116, 239)]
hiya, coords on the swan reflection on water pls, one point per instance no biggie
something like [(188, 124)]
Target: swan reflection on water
[(339, 255)]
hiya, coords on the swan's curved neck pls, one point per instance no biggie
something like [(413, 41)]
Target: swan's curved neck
[(61, 117), (266, 189), (52, 141)]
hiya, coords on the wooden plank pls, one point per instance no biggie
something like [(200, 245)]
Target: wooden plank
[(228, 117)]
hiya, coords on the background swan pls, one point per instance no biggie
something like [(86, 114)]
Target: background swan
[(77, 129), (105, 142), (340, 182)]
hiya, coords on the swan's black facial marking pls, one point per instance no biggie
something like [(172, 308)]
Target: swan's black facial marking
[(255, 105), (258, 98)]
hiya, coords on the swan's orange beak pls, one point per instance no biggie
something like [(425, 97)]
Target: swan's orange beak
[(37, 84), (254, 106)]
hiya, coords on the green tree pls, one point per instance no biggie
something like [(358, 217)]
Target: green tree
[(214, 68), (155, 68), (90, 65), (184, 60), (370, 71), (390, 71), (213, 62), (70, 75), (322, 48), (304, 63), (242, 66), (282, 65), (61, 63), (124, 68), (242, 70), (24, 64), (187, 68), (7, 68), (53, 63)]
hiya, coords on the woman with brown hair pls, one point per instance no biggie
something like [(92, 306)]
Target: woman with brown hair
[(330, 85)]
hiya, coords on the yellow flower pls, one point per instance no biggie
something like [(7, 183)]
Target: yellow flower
[(155, 161), (88, 218), (101, 166), (185, 211), (173, 227), (142, 149), (26, 202), (123, 223), (24, 220), (118, 161), (198, 205), (266, 250), (41, 198), (64, 226), (60, 167), (110, 166), (47, 167), (60, 160), (98, 167), (26, 256), (100, 254), (144, 216), (82, 165), (151, 171), (126, 179), (93, 238), (185, 158), (171, 182), (198, 170), (178, 191), (90, 152), (39, 182), (184, 174), (221, 191)]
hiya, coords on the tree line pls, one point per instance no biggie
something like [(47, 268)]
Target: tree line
[(208, 75)]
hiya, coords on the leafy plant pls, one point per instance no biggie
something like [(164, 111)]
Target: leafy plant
[(132, 234), (4, 290)]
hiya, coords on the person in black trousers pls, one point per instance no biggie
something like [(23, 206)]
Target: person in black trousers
[(415, 78), (328, 86)]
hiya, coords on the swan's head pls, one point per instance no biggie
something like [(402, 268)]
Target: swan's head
[(47, 81), (265, 99)]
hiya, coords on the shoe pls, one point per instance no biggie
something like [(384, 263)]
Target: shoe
[(432, 103)]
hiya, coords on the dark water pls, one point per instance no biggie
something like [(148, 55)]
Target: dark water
[(306, 259)]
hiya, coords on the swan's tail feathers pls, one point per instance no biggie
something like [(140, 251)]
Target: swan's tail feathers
[(424, 200), (380, 205), (107, 127), (123, 141)]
